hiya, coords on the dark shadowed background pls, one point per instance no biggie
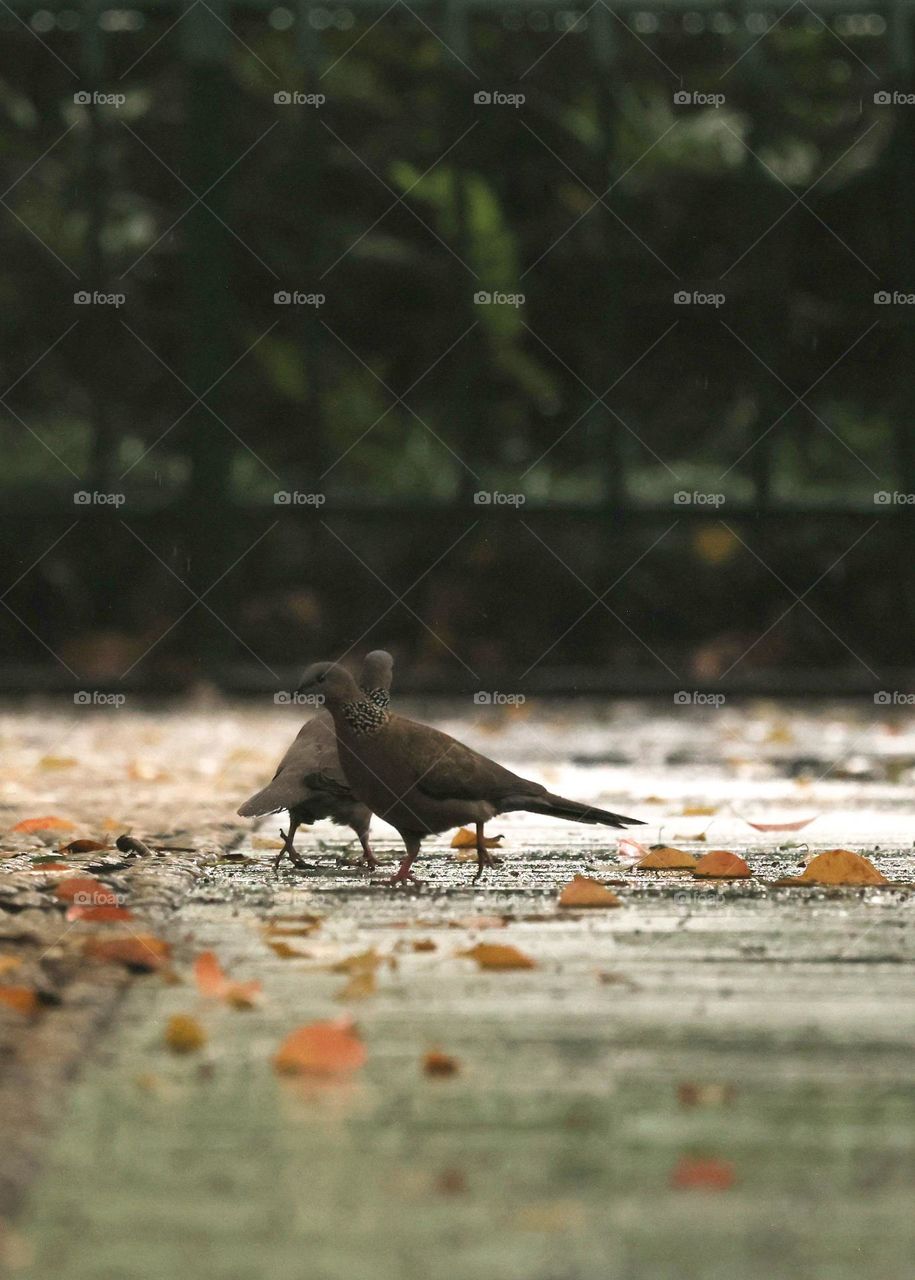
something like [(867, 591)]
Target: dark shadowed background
[(554, 349)]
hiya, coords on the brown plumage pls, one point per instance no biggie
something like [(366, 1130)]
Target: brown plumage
[(423, 781), (309, 781)]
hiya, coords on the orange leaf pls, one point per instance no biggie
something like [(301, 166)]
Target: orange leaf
[(9, 962), (321, 1048), (285, 952), (142, 952), (99, 914), (22, 999), (362, 962), (781, 826), (85, 892), (212, 981), (436, 1063), (696, 1174), (184, 1034), (38, 864), (466, 839), (584, 892), (492, 955), (841, 866), (83, 846), (719, 864), (44, 824), (664, 858)]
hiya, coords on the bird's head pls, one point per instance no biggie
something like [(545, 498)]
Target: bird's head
[(332, 681), (377, 670)]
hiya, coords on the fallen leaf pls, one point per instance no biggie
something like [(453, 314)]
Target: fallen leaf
[(142, 952), (466, 839), (22, 999), (98, 915), (359, 987), (285, 952), (719, 864), (48, 864), (361, 962), (57, 762), (436, 1063), (664, 858), (321, 1048), (491, 955), (212, 981), (584, 892), (782, 826), (630, 851), (837, 866), (83, 846), (184, 1034), (9, 962), (699, 811), (690, 1094), (697, 1174), (86, 891), (424, 944), (50, 823)]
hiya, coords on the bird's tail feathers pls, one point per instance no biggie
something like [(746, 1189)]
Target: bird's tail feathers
[(559, 807)]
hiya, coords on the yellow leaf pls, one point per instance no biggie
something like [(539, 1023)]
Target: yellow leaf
[(584, 892), (184, 1034), (492, 955), (466, 839)]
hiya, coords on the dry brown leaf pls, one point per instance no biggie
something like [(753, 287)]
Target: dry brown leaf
[(7, 963), (664, 858), (83, 846), (321, 1048), (86, 891), (212, 981), (702, 1174), (584, 892), (142, 952), (285, 952), (492, 955), (184, 1034), (720, 864), (837, 866), (437, 1063), (361, 962), (49, 823), (22, 999), (424, 944), (699, 811), (359, 987), (466, 839)]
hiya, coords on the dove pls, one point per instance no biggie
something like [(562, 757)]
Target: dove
[(308, 780), (422, 781)]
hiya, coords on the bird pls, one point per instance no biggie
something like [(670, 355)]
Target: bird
[(309, 781), (423, 781)]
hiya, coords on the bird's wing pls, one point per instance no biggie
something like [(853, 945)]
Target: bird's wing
[(313, 749), (446, 769)]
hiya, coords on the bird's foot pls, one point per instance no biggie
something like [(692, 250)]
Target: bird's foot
[(404, 874), (288, 851), (485, 859)]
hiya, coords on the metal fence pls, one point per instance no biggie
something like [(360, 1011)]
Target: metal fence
[(571, 346)]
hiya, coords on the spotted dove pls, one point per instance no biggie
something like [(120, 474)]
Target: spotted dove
[(422, 781), (309, 781)]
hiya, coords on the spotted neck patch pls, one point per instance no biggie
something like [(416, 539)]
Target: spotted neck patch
[(379, 696), (365, 716)]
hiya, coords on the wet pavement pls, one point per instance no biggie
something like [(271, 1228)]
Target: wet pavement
[(713, 1079)]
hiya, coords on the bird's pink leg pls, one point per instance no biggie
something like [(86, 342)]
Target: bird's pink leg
[(367, 856), (484, 858), (404, 872), (289, 849)]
